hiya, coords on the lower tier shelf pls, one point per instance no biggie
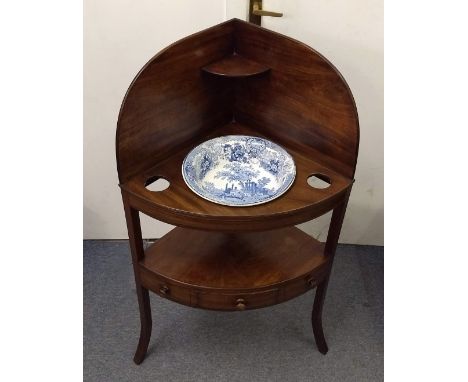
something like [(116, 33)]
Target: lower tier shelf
[(222, 271)]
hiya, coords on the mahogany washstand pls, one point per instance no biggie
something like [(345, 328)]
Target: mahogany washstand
[(235, 78)]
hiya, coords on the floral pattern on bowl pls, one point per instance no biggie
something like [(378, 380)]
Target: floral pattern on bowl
[(239, 170)]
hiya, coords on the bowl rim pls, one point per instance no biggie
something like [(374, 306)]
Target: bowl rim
[(276, 196)]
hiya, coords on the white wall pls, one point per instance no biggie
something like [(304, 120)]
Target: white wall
[(120, 37)]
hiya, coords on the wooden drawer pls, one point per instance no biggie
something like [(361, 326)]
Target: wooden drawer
[(303, 284), (165, 288), (235, 300), (230, 300), (205, 298)]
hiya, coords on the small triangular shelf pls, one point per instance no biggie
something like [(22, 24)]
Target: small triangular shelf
[(235, 66)]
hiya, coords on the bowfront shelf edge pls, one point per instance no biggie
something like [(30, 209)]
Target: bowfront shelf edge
[(178, 205), (222, 271)]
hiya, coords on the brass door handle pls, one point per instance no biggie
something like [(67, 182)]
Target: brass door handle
[(256, 12), (261, 12)]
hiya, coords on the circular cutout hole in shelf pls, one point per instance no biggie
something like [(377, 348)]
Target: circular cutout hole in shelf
[(156, 184), (319, 181)]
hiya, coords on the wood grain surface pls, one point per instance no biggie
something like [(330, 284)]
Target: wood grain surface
[(235, 66), (235, 78), (180, 206), (216, 269)]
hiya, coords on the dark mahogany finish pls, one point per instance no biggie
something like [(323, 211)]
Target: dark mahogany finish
[(235, 78), (179, 206), (235, 66), (218, 269)]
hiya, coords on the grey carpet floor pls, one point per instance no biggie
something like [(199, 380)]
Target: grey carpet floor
[(270, 344)]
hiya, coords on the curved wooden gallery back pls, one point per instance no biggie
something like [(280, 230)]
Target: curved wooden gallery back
[(235, 78), (237, 71)]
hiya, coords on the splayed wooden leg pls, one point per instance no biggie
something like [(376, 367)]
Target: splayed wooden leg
[(317, 317), (330, 249), (136, 246), (146, 325)]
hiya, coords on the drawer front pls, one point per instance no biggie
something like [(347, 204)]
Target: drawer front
[(303, 284), (165, 288), (235, 301), (230, 300)]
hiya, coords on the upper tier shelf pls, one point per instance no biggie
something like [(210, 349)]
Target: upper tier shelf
[(178, 205), (235, 66)]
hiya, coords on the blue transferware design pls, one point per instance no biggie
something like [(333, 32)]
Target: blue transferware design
[(239, 170)]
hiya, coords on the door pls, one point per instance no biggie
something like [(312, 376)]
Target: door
[(350, 35)]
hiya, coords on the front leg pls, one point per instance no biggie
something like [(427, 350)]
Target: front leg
[(146, 324), (136, 246), (330, 249), (317, 316)]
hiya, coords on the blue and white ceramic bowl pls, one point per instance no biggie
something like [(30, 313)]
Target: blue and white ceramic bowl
[(239, 170)]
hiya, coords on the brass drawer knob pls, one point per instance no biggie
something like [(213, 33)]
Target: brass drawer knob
[(240, 304), (164, 290)]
